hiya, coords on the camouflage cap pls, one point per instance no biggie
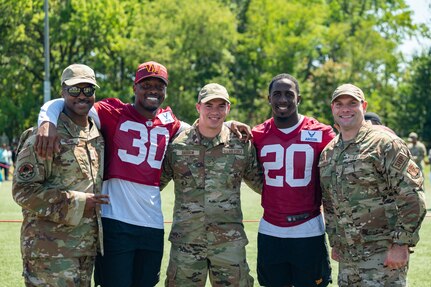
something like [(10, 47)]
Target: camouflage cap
[(350, 90), (77, 74), (413, 135), (213, 91)]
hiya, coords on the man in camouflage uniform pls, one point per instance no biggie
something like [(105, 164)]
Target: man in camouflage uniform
[(417, 149), (207, 163), (60, 196), (372, 195)]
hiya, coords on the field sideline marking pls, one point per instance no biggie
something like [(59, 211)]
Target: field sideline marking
[(170, 222), (166, 222)]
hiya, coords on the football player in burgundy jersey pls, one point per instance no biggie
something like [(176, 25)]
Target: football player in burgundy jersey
[(291, 240)]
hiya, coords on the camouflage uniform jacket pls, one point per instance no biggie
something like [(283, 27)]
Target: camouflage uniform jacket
[(372, 193), (418, 152), (52, 193), (207, 174)]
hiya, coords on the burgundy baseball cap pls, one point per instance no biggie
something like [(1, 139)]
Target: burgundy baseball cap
[(151, 69)]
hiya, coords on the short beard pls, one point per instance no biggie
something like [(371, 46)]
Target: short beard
[(151, 109)]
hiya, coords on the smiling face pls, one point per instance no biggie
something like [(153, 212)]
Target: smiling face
[(77, 108), (348, 113), (284, 100), (211, 116), (149, 95)]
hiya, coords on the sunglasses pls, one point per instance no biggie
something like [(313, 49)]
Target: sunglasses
[(76, 91)]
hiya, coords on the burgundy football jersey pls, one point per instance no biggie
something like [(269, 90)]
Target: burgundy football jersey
[(291, 192), (135, 146)]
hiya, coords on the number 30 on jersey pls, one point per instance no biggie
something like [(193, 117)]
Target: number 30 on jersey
[(144, 153)]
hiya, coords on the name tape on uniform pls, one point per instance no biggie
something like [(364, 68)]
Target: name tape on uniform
[(187, 152)]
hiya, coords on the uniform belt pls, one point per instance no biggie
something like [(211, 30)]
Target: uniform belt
[(297, 217)]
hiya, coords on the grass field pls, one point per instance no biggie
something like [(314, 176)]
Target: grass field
[(10, 259)]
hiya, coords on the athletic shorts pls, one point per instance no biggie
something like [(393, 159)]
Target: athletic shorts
[(132, 255), (302, 262)]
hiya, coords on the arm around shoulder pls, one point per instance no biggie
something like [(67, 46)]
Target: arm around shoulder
[(253, 176), (167, 171), (47, 141), (50, 111)]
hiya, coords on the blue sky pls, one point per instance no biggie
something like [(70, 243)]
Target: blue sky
[(422, 14)]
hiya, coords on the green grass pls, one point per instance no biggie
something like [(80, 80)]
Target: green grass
[(10, 258)]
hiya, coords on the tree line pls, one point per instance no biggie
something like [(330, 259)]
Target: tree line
[(240, 44)]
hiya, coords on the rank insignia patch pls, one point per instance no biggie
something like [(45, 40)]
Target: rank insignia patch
[(413, 170)]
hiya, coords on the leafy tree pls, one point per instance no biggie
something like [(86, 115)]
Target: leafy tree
[(323, 44), (20, 76), (279, 37), (414, 105), (81, 31), (359, 46), (241, 44), (195, 40)]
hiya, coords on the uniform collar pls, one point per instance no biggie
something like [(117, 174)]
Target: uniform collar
[(76, 131), (222, 138), (362, 133)]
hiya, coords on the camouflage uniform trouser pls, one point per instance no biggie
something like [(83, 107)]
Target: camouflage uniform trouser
[(371, 273), (225, 263), (58, 272)]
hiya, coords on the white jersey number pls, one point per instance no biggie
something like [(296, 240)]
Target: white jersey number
[(286, 157), (144, 153)]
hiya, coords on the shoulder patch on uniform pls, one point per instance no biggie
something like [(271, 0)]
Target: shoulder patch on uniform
[(26, 171), (232, 151), (413, 170), (400, 161)]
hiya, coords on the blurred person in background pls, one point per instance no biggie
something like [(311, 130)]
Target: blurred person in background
[(375, 120), (5, 158), (417, 149)]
